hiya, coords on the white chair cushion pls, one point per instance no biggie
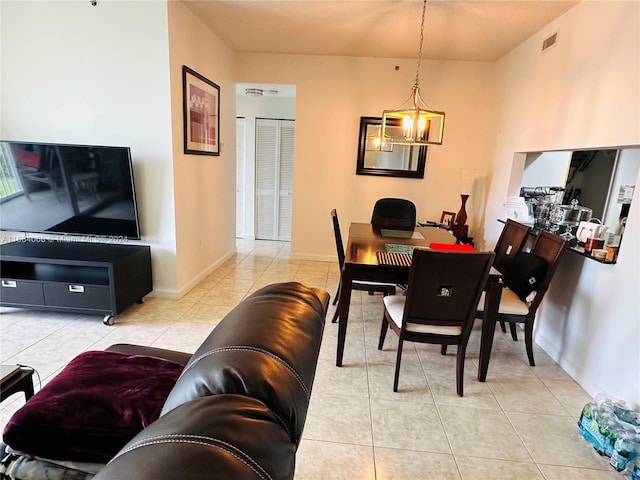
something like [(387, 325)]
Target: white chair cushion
[(510, 303), (395, 307)]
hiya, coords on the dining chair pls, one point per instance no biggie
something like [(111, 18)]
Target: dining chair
[(440, 305), (40, 167), (371, 287), (511, 242), (394, 213), (525, 282)]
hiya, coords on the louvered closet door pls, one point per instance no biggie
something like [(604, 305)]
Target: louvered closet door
[(240, 169), (274, 178)]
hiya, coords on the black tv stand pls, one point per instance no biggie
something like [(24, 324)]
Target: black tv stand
[(80, 277)]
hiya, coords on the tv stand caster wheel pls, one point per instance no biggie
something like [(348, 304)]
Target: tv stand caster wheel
[(109, 320)]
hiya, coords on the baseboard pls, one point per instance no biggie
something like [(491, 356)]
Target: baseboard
[(313, 257), (181, 292)]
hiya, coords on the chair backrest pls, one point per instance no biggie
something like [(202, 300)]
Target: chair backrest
[(511, 242), (444, 287), (338, 236), (394, 213), (549, 247)]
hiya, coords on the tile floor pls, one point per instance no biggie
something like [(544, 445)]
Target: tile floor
[(520, 424)]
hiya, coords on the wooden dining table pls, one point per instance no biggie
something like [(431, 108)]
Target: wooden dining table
[(361, 263)]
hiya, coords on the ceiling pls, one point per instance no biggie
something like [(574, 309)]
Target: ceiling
[(466, 30)]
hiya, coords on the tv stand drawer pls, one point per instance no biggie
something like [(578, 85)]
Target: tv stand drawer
[(83, 277), (22, 292), (77, 296)]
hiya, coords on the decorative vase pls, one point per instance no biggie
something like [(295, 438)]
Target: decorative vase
[(461, 217)]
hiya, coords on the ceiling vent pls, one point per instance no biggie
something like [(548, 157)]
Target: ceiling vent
[(258, 92), (549, 42)]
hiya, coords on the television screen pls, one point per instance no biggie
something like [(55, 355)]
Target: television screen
[(67, 189)]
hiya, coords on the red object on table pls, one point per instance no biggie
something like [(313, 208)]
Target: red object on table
[(459, 247)]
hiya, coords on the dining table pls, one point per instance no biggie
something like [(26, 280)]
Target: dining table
[(376, 254)]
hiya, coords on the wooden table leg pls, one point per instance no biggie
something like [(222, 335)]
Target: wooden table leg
[(491, 304), (343, 306)]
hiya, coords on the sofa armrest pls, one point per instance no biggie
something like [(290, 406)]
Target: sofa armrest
[(267, 348), (181, 358), (220, 436)]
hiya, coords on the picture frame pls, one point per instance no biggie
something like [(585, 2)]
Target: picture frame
[(447, 219), (201, 114)]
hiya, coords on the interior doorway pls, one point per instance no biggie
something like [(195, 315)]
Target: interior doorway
[(270, 109)]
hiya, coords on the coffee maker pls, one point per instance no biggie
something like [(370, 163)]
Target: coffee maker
[(540, 202)]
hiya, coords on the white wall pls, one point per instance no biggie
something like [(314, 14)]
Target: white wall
[(250, 108), (332, 93), (73, 73), (546, 169), (204, 186), (582, 93)]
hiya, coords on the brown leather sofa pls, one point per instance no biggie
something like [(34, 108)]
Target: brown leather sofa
[(239, 405)]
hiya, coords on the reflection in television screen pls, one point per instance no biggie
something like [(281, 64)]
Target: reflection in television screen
[(67, 189)]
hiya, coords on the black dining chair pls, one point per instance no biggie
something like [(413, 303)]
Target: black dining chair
[(371, 287), (394, 213), (525, 282), (440, 306)]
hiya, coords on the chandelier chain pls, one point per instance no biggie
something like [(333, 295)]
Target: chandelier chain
[(416, 83)]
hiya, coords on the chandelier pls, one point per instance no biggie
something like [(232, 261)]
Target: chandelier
[(420, 124)]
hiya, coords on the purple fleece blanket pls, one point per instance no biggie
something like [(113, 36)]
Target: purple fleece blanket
[(92, 408)]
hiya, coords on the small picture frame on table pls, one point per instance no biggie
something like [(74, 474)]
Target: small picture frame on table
[(447, 219), (201, 110)]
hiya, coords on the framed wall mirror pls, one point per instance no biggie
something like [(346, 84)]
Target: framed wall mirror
[(384, 159)]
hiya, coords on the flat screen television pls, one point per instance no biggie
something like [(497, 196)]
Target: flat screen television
[(68, 189)]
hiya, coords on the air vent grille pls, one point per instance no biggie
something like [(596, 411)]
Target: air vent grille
[(549, 42)]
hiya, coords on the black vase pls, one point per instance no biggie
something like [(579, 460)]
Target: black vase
[(461, 217)]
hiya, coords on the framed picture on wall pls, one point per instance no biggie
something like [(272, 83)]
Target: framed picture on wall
[(201, 107), (447, 219)]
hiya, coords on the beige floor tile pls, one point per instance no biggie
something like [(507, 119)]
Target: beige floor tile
[(473, 468), (394, 464), (268, 278), (555, 440), (554, 472), (314, 268), (412, 386), (239, 274), (338, 418), (401, 425), (310, 279), (183, 336), (350, 379), (551, 371), (223, 297), (525, 395), (482, 433), (476, 394), (570, 395), (235, 284), (207, 313), (317, 460), (283, 265), (138, 333)]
